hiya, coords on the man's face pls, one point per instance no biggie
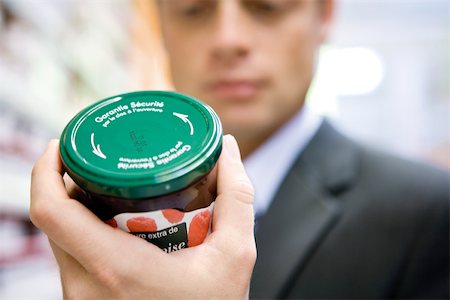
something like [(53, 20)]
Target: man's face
[(251, 60)]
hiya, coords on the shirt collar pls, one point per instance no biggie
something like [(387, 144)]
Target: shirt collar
[(268, 165)]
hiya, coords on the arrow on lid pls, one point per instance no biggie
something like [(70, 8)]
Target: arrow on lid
[(96, 149), (185, 119)]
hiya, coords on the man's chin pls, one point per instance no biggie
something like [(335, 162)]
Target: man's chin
[(243, 127)]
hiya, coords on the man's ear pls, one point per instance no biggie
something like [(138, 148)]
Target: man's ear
[(157, 5), (327, 9)]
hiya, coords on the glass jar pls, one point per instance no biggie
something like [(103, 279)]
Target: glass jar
[(145, 162)]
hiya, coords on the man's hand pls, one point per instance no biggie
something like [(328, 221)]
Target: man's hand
[(97, 261)]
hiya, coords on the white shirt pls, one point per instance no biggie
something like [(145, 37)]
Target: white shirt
[(268, 165)]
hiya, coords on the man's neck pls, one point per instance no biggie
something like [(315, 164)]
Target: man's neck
[(248, 144), (250, 141)]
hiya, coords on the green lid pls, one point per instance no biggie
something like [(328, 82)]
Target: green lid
[(141, 144)]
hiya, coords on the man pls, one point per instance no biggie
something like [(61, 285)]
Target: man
[(334, 220)]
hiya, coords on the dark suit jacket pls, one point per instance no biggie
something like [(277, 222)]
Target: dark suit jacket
[(349, 222)]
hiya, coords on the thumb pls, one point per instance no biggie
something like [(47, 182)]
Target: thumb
[(233, 209)]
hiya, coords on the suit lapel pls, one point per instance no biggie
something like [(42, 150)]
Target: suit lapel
[(305, 209)]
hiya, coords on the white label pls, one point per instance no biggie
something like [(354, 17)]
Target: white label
[(169, 229)]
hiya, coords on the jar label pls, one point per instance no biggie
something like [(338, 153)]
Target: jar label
[(169, 229)]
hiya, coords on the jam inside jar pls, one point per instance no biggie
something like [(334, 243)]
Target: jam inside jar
[(146, 164)]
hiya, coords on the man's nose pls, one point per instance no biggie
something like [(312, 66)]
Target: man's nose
[(231, 32)]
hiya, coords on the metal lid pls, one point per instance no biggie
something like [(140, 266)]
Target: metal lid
[(141, 144)]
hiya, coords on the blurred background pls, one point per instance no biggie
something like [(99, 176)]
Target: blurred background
[(383, 78)]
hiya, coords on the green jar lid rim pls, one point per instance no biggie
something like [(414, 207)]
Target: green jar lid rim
[(141, 144)]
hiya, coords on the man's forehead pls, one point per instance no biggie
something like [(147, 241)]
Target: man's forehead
[(181, 2), (196, 1)]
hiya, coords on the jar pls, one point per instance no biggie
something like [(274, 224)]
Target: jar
[(145, 162)]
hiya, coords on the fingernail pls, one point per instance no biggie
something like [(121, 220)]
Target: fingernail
[(231, 147), (52, 143)]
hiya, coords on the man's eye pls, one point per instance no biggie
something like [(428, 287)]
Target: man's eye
[(196, 10), (192, 11), (263, 7)]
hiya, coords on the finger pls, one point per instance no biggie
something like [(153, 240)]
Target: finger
[(68, 223), (75, 280), (73, 190), (53, 171), (69, 268), (233, 210)]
